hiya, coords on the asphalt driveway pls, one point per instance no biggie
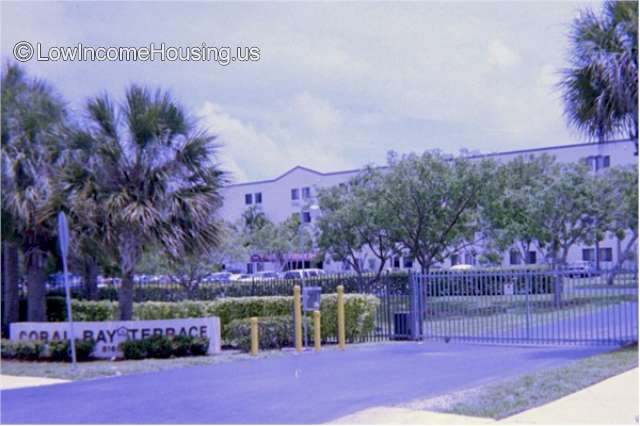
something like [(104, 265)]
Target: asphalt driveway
[(307, 388)]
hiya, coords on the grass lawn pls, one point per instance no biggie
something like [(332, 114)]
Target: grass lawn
[(508, 397)]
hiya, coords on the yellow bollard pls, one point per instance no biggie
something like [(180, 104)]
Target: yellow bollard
[(297, 314), (316, 330), (254, 336), (341, 325)]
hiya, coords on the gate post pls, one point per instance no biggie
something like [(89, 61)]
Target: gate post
[(415, 291), (557, 288)]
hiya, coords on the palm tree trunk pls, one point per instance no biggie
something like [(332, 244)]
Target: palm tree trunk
[(129, 256), (90, 278), (36, 286), (10, 277), (125, 296)]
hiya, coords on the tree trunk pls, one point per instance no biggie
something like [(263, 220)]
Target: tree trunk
[(10, 277), (90, 277), (125, 296), (36, 286), (129, 256)]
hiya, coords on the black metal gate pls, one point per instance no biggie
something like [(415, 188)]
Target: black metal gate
[(536, 307)]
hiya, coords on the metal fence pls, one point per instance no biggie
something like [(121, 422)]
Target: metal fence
[(537, 307)]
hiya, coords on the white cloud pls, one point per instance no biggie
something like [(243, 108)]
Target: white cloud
[(501, 56), (303, 131)]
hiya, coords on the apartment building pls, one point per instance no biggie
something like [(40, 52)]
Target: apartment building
[(294, 193)]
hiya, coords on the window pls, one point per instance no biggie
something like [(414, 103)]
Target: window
[(306, 193), (470, 259), (602, 161), (396, 262), (455, 259), (606, 254), (346, 266), (258, 197), (295, 194), (597, 162), (588, 254), (248, 198), (514, 257), (372, 263), (408, 262), (533, 258), (306, 217)]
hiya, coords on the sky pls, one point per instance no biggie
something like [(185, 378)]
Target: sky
[(337, 85)]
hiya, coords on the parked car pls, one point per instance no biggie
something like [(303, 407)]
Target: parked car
[(218, 277), (461, 267), (57, 280), (266, 275), (296, 274), (241, 277), (580, 269)]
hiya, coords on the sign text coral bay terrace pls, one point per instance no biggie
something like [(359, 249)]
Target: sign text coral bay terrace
[(109, 334)]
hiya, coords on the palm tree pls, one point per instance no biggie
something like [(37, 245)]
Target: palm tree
[(151, 177), (600, 88), (31, 112)]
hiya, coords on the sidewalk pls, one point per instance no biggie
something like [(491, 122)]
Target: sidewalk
[(612, 401), (13, 382)]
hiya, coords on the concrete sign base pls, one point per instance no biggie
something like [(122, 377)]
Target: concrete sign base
[(109, 334)]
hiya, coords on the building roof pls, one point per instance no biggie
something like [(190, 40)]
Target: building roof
[(487, 155)]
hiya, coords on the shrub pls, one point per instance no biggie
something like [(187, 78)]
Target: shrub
[(159, 346), (134, 349), (164, 347), (359, 311), (30, 350), (199, 346), (182, 345), (59, 350), (25, 350), (88, 310), (273, 332)]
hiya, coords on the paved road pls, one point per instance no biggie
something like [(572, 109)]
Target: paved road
[(307, 388)]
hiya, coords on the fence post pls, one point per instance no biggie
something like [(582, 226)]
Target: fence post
[(316, 330), (416, 307), (297, 315), (254, 336), (557, 288), (340, 310)]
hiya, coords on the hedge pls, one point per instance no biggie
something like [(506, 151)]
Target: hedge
[(359, 311), (164, 347), (38, 350), (277, 331), (273, 332)]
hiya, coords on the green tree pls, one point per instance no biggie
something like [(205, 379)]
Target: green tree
[(600, 87), (511, 219), (280, 240), (574, 208), (436, 203), (31, 114), (154, 177), (623, 186), (356, 221)]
